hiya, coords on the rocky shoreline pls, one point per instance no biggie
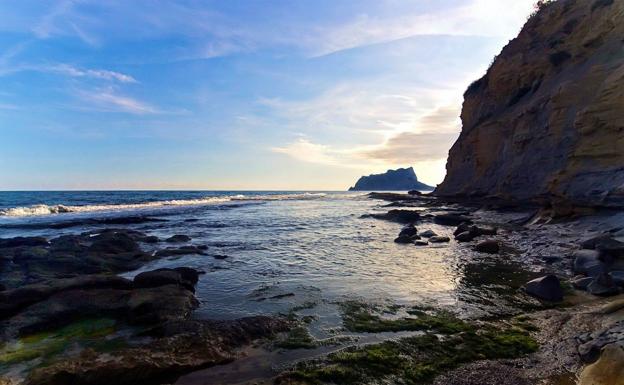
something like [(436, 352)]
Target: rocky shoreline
[(66, 317)]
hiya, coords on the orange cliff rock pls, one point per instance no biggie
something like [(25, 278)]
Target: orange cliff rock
[(546, 122)]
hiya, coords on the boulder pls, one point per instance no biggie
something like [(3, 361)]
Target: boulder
[(408, 231), (450, 219), (583, 260), (466, 236), (421, 243), (178, 238), (439, 239), (404, 239), (398, 215), (590, 244), (428, 234), (603, 286), (490, 246), (547, 288), (462, 228)]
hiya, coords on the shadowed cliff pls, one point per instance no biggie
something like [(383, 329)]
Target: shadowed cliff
[(546, 122)]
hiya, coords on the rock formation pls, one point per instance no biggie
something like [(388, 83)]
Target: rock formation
[(546, 122), (402, 179)]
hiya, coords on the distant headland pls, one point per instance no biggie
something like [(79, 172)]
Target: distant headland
[(402, 179)]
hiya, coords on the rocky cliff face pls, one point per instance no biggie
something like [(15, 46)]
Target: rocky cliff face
[(402, 179), (546, 122)]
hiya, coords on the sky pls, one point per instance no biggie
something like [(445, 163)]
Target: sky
[(237, 94)]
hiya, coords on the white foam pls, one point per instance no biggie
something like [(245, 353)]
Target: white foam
[(35, 210)]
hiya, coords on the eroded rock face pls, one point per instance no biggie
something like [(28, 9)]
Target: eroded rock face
[(546, 122)]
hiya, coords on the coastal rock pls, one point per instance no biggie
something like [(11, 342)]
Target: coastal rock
[(182, 276), (586, 261), (178, 238), (439, 239), (184, 250), (466, 236), (408, 231), (421, 242), (544, 124), (401, 179), (581, 283), (547, 288), (490, 247), (451, 219), (398, 215), (617, 277), (603, 285), (608, 370), (428, 234)]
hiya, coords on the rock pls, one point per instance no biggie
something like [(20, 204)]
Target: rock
[(219, 256), (415, 192), (398, 215), (439, 239), (617, 276), (408, 231), (421, 243), (462, 228), (22, 241), (590, 244), (149, 239), (544, 124), (583, 259), (401, 179), (603, 286), (403, 239), (466, 236), (490, 246), (550, 259), (182, 276), (112, 242), (581, 283), (450, 219), (610, 249), (608, 370), (547, 288), (428, 234), (178, 238), (184, 250)]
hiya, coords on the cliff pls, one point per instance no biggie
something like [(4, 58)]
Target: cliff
[(392, 180), (546, 122)]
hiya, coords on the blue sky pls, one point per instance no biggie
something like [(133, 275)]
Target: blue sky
[(297, 94)]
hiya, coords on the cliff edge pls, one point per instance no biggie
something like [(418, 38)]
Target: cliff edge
[(546, 122)]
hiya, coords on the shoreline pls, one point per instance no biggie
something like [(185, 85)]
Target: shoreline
[(543, 245)]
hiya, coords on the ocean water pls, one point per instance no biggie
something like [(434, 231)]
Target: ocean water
[(283, 249)]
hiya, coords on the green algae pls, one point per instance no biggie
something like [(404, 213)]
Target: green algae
[(298, 338), (359, 317), (46, 345), (415, 360)]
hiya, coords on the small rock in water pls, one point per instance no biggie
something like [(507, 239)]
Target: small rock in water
[(465, 236), (178, 238), (603, 286), (547, 288), (428, 234), (451, 219), (219, 256), (439, 239), (408, 231), (490, 246), (421, 243)]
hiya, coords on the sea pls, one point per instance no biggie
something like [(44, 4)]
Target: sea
[(271, 252)]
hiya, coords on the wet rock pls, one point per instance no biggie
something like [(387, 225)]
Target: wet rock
[(466, 236), (414, 192), (398, 215), (182, 276), (547, 288), (178, 238), (607, 370), (590, 244), (149, 239), (405, 239), (490, 246), (408, 231), (184, 250), (439, 239), (583, 260), (603, 285), (219, 256), (113, 242), (462, 228), (22, 242), (581, 283), (468, 232), (428, 234), (421, 243), (451, 219), (617, 277)]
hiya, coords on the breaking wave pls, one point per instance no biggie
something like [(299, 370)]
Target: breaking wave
[(41, 209)]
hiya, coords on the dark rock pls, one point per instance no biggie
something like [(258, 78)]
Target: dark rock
[(22, 241), (421, 242), (178, 238), (401, 179), (451, 219), (550, 259), (439, 239), (547, 288), (397, 215), (184, 250), (428, 234), (603, 286), (113, 242), (183, 276), (590, 244), (408, 231), (466, 236), (403, 239), (149, 239), (462, 228), (414, 192), (490, 246), (219, 256), (581, 283), (583, 259), (617, 277)]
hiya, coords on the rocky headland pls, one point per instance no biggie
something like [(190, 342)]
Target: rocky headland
[(402, 179)]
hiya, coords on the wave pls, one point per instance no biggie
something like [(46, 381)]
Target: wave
[(41, 209)]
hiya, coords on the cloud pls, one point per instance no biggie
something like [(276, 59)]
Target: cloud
[(410, 147), (69, 70), (108, 100)]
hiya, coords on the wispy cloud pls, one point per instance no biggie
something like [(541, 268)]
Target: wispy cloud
[(107, 99), (66, 69)]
